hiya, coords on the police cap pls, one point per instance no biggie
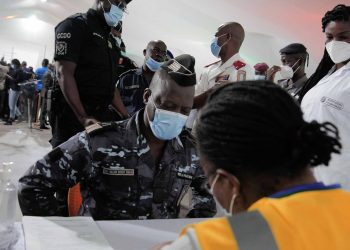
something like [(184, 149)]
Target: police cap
[(181, 70), (294, 48)]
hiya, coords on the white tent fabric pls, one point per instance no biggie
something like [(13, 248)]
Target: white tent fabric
[(187, 26)]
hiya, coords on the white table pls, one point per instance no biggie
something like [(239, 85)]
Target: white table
[(133, 234)]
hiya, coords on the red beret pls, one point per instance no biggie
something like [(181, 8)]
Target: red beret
[(261, 67)]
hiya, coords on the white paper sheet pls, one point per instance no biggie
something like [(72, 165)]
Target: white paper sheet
[(63, 233)]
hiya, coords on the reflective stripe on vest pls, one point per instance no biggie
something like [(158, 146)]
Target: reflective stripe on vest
[(252, 232)]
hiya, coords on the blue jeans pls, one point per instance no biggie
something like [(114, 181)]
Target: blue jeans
[(13, 98)]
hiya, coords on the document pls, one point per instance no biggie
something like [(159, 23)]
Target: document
[(63, 233)]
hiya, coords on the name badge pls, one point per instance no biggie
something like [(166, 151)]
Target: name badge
[(132, 87), (119, 172), (185, 176)]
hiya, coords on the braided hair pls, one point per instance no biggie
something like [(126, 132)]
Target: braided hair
[(340, 12), (255, 127)]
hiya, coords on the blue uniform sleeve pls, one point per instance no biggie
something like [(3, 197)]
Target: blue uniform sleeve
[(59, 170)]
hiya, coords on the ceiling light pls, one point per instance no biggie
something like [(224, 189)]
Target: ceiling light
[(9, 17)]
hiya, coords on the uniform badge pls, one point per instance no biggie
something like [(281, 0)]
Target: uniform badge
[(185, 176), (119, 172), (110, 45), (61, 48), (222, 79), (241, 75), (238, 64)]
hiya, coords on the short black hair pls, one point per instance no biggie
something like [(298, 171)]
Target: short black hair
[(255, 127), (340, 12), (45, 62), (16, 62)]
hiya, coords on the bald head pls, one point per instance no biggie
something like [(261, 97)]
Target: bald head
[(235, 30), (155, 49)]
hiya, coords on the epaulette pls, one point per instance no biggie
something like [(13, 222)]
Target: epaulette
[(97, 128), (239, 64), (206, 66)]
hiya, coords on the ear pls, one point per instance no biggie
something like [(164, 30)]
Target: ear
[(146, 94), (230, 181)]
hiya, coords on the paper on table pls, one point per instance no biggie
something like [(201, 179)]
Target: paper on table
[(68, 233)]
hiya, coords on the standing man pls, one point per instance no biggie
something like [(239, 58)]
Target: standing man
[(294, 57), (231, 68), (133, 83), (87, 69), (139, 168), (40, 72)]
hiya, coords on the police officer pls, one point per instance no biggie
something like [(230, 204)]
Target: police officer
[(139, 168), (132, 84), (87, 69), (225, 45), (294, 58)]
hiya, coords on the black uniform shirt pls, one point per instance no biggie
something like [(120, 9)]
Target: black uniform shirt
[(83, 39)]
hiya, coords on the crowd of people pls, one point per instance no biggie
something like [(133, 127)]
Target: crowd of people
[(133, 141), (19, 83)]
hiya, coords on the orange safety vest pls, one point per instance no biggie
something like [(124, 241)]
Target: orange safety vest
[(308, 220)]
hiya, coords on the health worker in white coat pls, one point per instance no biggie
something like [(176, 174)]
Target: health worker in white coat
[(329, 98)]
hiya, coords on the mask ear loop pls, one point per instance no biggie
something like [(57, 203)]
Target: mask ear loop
[(295, 64), (234, 196)]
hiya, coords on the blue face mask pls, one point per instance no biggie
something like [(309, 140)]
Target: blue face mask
[(166, 125), (13, 66), (114, 15), (152, 64), (215, 48)]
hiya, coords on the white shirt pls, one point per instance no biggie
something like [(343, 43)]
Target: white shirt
[(223, 73), (217, 73), (329, 101)]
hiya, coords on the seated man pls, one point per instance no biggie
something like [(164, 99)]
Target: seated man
[(132, 84), (138, 168)]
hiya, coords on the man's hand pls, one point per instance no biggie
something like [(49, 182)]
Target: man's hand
[(272, 72), (87, 121)]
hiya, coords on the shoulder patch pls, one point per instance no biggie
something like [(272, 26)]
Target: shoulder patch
[(239, 64), (206, 66), (93, 128)]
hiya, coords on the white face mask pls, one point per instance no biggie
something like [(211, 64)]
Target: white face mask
[(287, 71), (259, 77), (220, 210), (338, 51)]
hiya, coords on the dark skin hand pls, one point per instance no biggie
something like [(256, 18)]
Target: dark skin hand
[(69, 89)]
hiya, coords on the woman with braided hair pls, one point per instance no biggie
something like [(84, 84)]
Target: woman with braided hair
[(326, 96), (257, 153)]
